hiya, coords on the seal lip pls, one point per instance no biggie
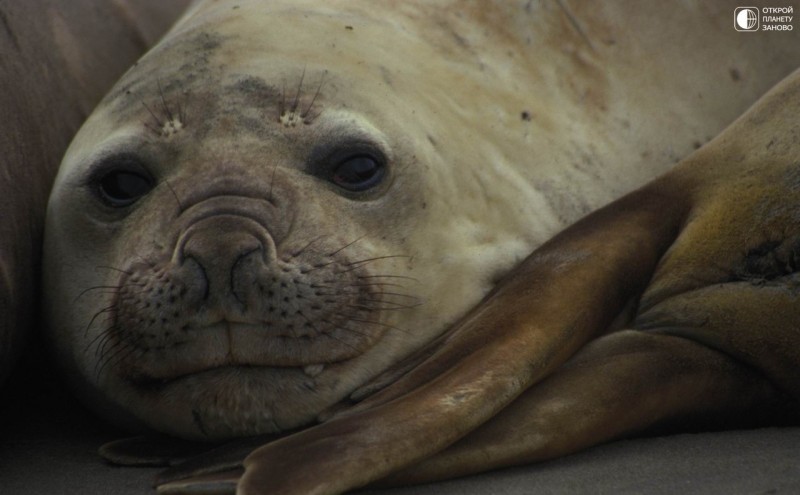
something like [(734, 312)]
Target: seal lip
[(210, 373), (208, 359)]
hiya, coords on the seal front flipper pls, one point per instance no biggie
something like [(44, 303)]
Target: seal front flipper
[(722, 229), (218, 483), (619, 385), (714, 340), (216, 464), (150, 450), (564, 294)]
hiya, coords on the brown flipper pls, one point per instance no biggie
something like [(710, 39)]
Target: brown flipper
[(618, 385), (718, 325), (563, 295), (218, 483), (212, 460), (149, 451)]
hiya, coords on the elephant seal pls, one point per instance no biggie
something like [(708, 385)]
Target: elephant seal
[(80, 48), (282, 200)]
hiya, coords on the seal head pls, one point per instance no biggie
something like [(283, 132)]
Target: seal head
[(235, 242)]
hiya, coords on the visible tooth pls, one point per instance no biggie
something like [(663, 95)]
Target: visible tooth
[(313, 370)]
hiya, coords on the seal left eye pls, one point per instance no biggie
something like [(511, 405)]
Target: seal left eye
[(359, 173), (123, 183)]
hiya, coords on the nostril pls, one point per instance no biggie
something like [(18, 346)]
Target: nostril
[(219, 249), (243, 280), (200, 277)]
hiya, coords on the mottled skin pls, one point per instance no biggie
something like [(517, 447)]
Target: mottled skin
[(246, 291), (57, 59)]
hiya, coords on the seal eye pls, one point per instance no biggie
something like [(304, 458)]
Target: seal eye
[(123, 182), (359, 173)]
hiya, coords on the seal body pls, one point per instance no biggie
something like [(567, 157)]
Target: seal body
[(282, 199)]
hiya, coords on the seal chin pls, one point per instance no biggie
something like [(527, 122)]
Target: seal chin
[(232, 401), (233, 379)]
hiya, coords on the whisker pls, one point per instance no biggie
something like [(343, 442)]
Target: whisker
[(113, 268), (122, 357), (100, 340), (314, 99), (155, 117), (182, 108), (124, 352), (349, 317), (113, 289), (335, 294), (377, 258), (164, 105), (152, 129), (302, 250), (282, 107), (180, 112), (102, 311), (175, 195), (272, 183), (403, 277), (311, 118), (351, 330), (345, 246), (299, 89), (393, 307), (123, 346), (329, 335), (377, 284), (355, 265), (400, 305), (103, 349), (397, 294), (318, 267)]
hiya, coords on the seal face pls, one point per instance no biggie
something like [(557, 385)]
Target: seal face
[(233, 283), (246, 243), (270, 209)]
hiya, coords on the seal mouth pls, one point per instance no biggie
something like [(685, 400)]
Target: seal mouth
[(223, 372), (228, 345), (226, 307)]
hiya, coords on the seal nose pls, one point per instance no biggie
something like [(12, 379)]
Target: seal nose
[(222, 249)]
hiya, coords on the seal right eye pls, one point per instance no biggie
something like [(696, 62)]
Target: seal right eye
[(359, 173), (122, 182)]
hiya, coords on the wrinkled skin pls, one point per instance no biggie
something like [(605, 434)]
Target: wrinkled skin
[(242, 286), (80, 48)]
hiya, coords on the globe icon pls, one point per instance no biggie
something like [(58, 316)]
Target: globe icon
[(746, 19)]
